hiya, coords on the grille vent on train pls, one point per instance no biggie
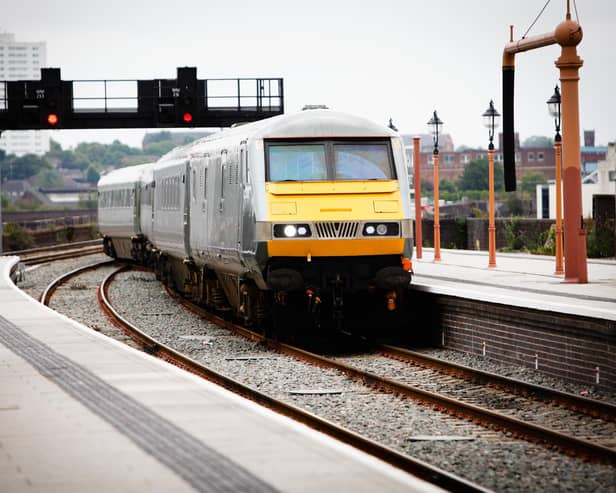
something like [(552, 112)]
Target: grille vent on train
[(337, 229)]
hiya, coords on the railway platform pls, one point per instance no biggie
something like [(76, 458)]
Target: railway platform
[(81, 412), (521, 280), (521, 314)]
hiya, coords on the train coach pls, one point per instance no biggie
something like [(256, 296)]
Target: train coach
[(119, 211), (302, 217)]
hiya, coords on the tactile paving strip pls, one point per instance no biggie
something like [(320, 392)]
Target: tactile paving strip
[(202, 467)]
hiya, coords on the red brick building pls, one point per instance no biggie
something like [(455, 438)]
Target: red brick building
[(538, 159)]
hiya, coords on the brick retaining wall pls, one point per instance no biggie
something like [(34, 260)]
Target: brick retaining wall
[(560, 345)]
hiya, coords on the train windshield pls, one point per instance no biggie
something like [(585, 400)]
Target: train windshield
[(297, 162), (329, 160), (362, 162)]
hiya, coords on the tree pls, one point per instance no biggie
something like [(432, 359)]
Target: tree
[(156, 137), (54, 146), (159, 148), (23, 167), (446, 185), (530, 180), (92, 174), (515, 204), (427, 186), (73, 160), (538, 141), (475, 176), (48, 178)]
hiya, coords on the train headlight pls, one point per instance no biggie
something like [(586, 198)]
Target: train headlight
[(382, 229), (290, 230)]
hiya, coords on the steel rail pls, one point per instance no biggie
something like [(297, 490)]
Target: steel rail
[(483, 416), (49, 248), (528, 431), (63, 255), (46, 295), (591, 407), (411, 465)]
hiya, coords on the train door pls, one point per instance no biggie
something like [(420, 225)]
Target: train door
[(246, 222), (225, 225), (136, 193), (198, 205), (185, 189)]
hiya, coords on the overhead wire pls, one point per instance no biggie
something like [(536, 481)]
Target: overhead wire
[(537, 18), (577, 17)]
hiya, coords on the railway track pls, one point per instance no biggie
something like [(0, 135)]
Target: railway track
[(414, 466), (597, 440), (58, 252), (387, 354)]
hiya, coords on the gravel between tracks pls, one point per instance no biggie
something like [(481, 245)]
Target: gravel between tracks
[(486, 457)]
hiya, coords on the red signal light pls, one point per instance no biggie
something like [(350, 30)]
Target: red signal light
[(187, 117), (52, 119)]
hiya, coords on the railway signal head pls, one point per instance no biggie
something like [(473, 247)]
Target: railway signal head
[(52, 119)]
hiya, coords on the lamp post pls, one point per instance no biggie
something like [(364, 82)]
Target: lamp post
[(417, 180), (490, 120), (435, 124), (554, 110)]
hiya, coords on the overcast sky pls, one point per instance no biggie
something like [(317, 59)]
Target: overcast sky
[(379, 59)]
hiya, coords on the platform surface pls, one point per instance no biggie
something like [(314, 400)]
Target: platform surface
[(81, 412), (519, 280)]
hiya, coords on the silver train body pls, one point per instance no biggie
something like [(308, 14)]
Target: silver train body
[(215, 217)]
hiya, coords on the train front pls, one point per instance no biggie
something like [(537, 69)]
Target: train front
[(339, 232)]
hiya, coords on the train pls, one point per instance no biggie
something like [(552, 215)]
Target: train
[(302, 219)]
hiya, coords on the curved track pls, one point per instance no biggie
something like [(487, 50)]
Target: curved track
[(414, 466), (522, 428), (480, 380)]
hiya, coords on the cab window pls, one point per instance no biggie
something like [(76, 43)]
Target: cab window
[(297, 162), (329, 160)]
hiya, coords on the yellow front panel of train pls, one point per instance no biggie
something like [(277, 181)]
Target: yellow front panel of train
[(315, 202)]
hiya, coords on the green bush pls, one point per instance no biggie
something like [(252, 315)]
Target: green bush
[(16, 238), (600, 238), (513, 237)]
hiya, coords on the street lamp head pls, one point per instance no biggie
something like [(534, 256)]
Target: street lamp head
[(554, 109), (491, 117), (435, 125), (491, 121)]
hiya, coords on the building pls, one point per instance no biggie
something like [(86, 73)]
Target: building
[(21, 61), (601, 182), (527, 159)]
